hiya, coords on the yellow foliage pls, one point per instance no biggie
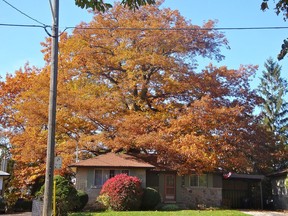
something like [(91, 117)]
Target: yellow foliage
[(123, 87)]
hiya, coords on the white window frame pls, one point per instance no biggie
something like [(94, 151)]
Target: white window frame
[(108, 173), (198, 182)]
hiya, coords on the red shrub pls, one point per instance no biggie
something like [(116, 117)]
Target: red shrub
[(121, 193)]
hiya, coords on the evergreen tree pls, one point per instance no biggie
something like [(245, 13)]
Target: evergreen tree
[(274, 107)]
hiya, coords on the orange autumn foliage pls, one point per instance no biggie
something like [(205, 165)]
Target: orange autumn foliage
[(126, 87)]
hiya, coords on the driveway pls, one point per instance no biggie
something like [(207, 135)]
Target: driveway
[(265, 213)]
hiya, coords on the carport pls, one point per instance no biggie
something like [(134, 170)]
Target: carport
[(242, 191)]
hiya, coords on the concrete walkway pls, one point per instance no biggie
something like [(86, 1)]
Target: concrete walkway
[(19, 214), (266, 213)]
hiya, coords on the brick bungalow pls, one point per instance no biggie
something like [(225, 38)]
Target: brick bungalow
[(191, 191)]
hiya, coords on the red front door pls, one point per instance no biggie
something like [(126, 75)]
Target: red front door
[(170, 188)]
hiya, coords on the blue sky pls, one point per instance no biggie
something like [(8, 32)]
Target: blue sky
[(19, 45)]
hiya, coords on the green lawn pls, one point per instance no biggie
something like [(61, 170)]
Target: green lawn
[(165, 213)]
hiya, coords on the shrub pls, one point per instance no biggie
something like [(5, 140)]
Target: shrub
[(83, 200), (22, 205), (104, 201), (66, 196), (170, 207), (3, 205), (121, 193), (150, 199)]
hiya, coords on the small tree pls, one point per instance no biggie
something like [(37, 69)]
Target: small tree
[(121, 193)]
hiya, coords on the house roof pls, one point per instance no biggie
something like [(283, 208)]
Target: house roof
[(243, 176), (113, 160), (279, 173)]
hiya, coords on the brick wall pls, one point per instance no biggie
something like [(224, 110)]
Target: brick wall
[(201, 197)]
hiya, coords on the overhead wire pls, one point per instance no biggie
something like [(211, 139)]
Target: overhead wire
[(15, 8), (21, 25), (152, 29), (181, 29), (44, 26)]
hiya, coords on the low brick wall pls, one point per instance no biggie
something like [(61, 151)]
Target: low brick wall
[(202, 197)]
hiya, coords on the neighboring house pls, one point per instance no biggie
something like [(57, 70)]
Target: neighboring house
[(191, 191), (279, 189), (3, 176)]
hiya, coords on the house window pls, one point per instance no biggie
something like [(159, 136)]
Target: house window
[(198, 180), (101, 176), (125, 172), (112, 173), (98, 178)]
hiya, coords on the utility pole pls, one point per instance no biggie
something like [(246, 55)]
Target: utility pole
[(48, 192)]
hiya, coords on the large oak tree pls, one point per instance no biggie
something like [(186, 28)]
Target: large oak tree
[(130, 80)]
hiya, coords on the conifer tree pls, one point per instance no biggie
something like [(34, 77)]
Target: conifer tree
[(274, 107)]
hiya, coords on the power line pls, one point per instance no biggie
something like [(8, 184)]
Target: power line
[(24, 13), (27, 26), (44, 26), (152, 29), (22, 25), (181, 29)]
